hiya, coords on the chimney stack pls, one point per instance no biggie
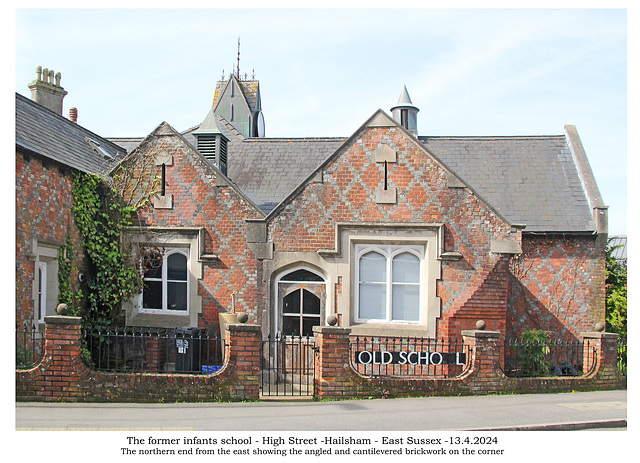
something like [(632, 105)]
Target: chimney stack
[(46, 89)]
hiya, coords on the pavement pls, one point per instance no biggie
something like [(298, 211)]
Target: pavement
[(554, 412)]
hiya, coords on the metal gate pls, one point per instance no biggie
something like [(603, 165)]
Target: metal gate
[(288, 366)]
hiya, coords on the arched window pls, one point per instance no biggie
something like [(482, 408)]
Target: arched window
[(301, 302), (389, 283), (166, 287)]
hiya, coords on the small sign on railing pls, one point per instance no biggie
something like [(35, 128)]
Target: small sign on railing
[(384, 357)]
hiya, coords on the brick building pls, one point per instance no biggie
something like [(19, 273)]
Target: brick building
[(49, 149), (395, 232)]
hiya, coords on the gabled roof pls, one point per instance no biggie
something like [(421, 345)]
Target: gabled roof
[(42, 132), (530, 180), (268, 169)]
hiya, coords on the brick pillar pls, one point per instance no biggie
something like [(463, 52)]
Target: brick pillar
[(601, 357), (244, 344), (485, 375), (61, 364), (333, 374)]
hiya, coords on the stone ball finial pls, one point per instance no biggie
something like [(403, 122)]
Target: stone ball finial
[(243, 318), (599, 327), (332, 320), (63, 309), (481, 325)]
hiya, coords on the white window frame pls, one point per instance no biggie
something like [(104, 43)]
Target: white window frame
[(41, 290), (389, 252), (164, 280)]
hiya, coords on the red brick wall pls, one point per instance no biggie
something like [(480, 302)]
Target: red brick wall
[(473, 286), (43, 211), (198, 202), (557, 285), (63, 376)]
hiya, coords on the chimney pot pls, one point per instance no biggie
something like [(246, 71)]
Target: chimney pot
[(46, 89), (73, 115)]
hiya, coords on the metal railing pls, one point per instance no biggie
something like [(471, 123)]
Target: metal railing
[(408, 356), (552, 358), (29, 346), (288, 365), (156, 350), (622, 355)]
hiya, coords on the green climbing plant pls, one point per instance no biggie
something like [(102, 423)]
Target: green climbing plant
[(67, 293), (101, 216)]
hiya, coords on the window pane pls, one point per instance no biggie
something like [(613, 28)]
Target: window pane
[(291, 326), (177, 267), (406, 268), (373, 268), (152, 295), (301, 275), (291, 302), (372, 301), (406, 302), (155, 272), (310, 303), (177, 295), (307, 325)]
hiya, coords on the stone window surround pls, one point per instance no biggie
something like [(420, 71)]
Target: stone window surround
[(164, 280), (191, 241), (44, 255), (389, 252)]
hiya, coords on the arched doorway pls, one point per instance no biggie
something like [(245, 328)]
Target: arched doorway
[(289, 353), (301, 302)]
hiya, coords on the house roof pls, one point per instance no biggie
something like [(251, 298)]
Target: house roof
[(529, 180), (268, 169), (42, 132)]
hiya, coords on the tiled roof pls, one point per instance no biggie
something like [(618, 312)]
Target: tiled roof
[(268, 169), (529, 180), (45, 133)]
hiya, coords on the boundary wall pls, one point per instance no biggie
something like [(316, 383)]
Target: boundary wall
[(334, 377), (62, 376)]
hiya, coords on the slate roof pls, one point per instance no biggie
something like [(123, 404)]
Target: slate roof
[(268, 169), (43, 132), (529, 180)]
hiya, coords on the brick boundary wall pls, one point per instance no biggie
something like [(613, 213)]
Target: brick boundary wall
[(335, 378), (61, 375)]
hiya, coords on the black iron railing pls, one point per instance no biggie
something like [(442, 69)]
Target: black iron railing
[(551, 358), (408, 356), (622, 355), (157, 350), (288, 365), (29, 346)]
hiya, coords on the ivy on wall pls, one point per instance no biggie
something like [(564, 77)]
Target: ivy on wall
[(101, 217)]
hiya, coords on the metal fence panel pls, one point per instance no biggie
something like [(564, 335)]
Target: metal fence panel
[(138, 349)]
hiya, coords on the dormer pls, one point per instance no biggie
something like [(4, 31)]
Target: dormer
[(211, 143), (405, 113)]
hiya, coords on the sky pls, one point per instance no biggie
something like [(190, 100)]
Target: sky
[(323, 72)]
